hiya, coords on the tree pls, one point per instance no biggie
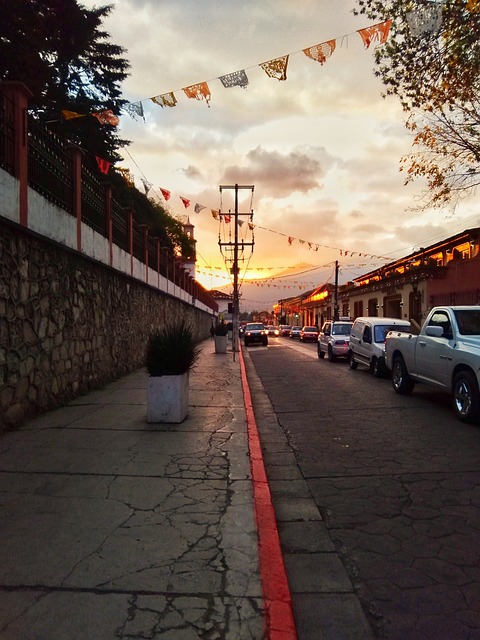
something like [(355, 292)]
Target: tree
[(58, 49), (432, 63)]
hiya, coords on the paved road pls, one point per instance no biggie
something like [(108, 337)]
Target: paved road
[(397, 482)]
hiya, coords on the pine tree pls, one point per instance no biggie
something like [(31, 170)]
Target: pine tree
[(59, 50)]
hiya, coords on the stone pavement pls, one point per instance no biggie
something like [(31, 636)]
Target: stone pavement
[(113, 528)]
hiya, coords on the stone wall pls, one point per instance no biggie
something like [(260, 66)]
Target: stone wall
[(69, 324)]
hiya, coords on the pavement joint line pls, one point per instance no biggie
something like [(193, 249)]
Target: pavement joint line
[(279, 620)]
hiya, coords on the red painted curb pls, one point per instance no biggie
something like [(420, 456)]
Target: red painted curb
[(279, 621)]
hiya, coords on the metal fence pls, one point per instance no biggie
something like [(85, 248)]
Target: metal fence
[(7, 134)]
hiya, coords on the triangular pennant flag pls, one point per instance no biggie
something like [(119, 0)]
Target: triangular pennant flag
[(186, 203), (147, 186), (103, 165), (227, 218), (290, 239), (166, 194), (376, 33), (240, 223), (235, 79), (276, 68), (214, 213), (134, 109), (251, 226), (165, 99), (302, 241), (320, 52), (198, 208), (106, 117), (198, 91), (426, 19), (70, 115)]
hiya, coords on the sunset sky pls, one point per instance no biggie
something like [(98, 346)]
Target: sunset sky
[(322, 148)]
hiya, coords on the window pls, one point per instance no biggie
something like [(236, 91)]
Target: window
[(441, 319)]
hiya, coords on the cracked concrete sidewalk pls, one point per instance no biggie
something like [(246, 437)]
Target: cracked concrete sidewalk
[(113, 528)]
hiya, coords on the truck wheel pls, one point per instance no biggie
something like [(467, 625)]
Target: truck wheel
[(331, 357), (401, 381), (321, 354), (377, 369), (466, 401), (351, 361)]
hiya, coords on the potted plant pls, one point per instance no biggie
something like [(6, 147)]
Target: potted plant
[(221, 337), (171, 353)]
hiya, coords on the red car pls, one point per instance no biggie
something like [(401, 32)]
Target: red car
[(309, 334)]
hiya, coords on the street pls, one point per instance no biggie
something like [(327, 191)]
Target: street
[(396, 481)]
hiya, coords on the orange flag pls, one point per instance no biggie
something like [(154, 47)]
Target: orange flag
[(198, 91), (320, 52), (106, 117), (377, 33)]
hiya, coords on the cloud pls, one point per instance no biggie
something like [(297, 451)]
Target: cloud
[(281, 174)]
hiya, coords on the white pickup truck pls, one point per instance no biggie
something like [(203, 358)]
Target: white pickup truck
[(446, 354)]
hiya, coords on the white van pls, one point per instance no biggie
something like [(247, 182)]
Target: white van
[(367, 342)]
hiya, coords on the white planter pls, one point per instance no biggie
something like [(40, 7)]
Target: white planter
[(167, 398), (221, 344)]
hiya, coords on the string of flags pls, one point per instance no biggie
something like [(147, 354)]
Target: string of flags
[(275, 68), (226, 218)]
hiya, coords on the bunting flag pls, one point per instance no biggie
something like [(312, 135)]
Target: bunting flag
[(186, 203), (134, 109), (276, 68), (251, 226), (376, 33), (166, 194), (147, 186), (426, 19), (241, 223), (107, 117), (227, 218), (103, 165), (214, 214), (165, 100), (198, 91), (320, 52), (235, 79), (198, 208), (290, 240), (70, 115)]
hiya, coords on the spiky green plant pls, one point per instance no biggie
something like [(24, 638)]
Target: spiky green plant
[(171, 350)]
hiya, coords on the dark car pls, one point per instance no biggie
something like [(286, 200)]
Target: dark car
[(309, 334), (295, 332), (255, 333)]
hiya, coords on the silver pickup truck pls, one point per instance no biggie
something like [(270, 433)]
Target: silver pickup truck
[(446, 355)]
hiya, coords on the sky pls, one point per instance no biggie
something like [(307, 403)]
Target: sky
[(321, 148)]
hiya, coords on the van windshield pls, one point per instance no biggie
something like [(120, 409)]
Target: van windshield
[(381, 330)]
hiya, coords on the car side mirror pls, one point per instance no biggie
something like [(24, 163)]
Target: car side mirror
[(434, 331)]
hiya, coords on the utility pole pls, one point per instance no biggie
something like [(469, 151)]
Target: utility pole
[(235, 247), (335, 297)]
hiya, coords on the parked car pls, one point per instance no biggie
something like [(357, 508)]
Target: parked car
[(273, 331), (255, 333), (334, 339), (367, 342), (285, 329), (445, 355), (308, 334), (295, 332)]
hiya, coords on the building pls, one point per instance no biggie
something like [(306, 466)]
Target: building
[(447, 272)]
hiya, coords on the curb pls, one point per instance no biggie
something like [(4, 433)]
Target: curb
[(279, 621)]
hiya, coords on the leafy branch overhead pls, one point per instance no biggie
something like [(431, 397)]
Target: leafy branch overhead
[(431, 61)]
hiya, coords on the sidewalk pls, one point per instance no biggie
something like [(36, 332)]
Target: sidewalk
[(113, 528)]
